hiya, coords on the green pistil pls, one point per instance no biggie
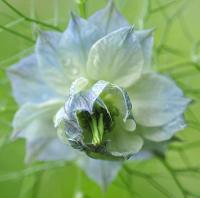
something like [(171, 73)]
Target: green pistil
[(97, 128)]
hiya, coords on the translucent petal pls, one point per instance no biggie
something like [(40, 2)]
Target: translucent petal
[(84, 101), (117, 58), (123, 143), (34, 123), (108, 19), (156, 100), (75, 44), (49, 61), (57, 150), (27, 83), (48, 150), (119, 98), (102, 172), (30, 112)]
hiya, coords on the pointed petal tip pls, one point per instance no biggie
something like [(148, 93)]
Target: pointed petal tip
[(111, 4), (73, 15)]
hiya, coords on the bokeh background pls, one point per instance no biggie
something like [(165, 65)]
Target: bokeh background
[(176, 53)]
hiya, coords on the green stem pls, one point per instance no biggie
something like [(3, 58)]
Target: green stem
[(101, 126), (82, 8), (17, 34), (170, 170), (29, 19)]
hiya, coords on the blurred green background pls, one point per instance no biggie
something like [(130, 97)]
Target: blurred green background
[(176, 53)]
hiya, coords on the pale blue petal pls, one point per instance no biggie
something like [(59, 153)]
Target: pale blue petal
[(27, 83), (75, 44), (34, 122), (156, 100), (30, 112), (165, 132), (146, 41), (102, 172), (108, 19), (49, 61), (117, 58), (57, 150)]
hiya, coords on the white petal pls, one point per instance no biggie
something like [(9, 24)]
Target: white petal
[(27, 83), (31, 112), (57, 150), (164, 132), (156, 100), (108, 19), (102, 172), (34, 122), (117, 58), (49, 61), (123, 143)]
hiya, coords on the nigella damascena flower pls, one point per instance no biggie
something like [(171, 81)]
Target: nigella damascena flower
[(95, 81)]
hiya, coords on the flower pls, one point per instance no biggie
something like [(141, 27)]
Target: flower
[(109, 103), (99, 121)]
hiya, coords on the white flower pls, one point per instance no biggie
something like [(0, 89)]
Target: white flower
[(93, 60)]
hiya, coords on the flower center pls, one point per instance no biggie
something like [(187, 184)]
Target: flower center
[(95, 125)]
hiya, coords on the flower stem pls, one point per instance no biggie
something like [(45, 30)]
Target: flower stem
[(82, 7), (28, 18)]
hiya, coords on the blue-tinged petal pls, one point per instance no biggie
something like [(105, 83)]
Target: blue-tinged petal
[(102, 172), (34, 122), (84, 101), (57, 150), (27, 83), (75, 44), (117, 58), (164, 132), (49, 61), (146, 41), (108, 19), (156, 100)]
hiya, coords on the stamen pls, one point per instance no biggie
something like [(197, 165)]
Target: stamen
[(97, 128)]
